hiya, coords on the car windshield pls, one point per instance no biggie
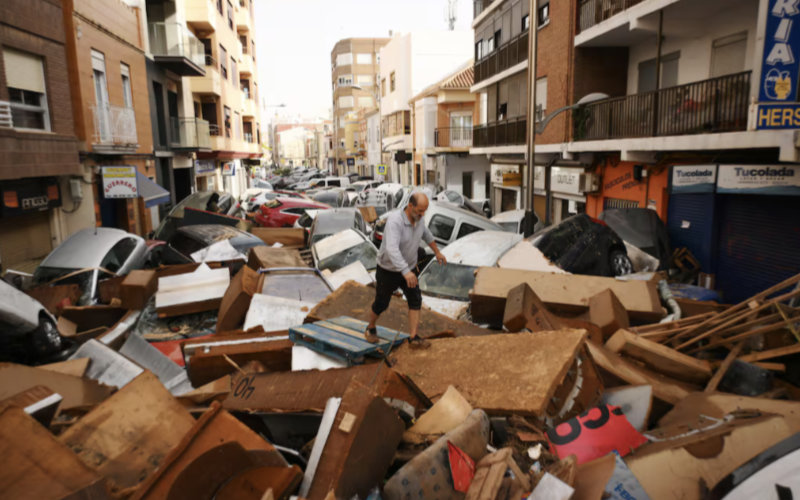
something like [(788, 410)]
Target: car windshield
[(305, 220), (305, 286), (364, 252), (44, 274), (452, 281)]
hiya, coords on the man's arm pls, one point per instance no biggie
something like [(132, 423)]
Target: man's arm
[(427, 237), (391, 238)]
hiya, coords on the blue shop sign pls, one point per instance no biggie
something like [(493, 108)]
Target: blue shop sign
[(693, 179), (779, 69)]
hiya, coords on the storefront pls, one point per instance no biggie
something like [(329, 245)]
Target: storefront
[(507, 182), (741, 222), (567, 196), (25, 220), (205, 175), (629, 185)]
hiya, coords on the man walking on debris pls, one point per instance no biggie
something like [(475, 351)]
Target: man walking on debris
[(397, 263)]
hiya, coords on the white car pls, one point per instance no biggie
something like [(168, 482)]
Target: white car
[(445, 289), (344, 248), (255, 197), (27, 330), (511, 220)]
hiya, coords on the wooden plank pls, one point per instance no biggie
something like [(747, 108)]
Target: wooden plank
[(519, 372), (720, 373), (563, 291), (76, 391), (772, 353), (672, 324), (74, 367), (36, 465), (126, 438), (660, 358), (354, 300), (664, 389), (737, 338)]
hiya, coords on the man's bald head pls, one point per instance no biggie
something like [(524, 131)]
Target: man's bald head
[(417, 206)]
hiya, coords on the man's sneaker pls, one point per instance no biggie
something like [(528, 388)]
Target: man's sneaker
[(418, 343), (371, 335)]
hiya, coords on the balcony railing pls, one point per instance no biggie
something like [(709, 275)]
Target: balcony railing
[(510, 132), (114, 126), (714, 105), (5, 115), (175, 40), (453, 137), (507, 55), (594, 12), (214, 130), (480, 5), (248, 137), (190, 133)]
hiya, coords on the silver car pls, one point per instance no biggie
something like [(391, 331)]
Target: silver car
[(28, 330), (89, 256)]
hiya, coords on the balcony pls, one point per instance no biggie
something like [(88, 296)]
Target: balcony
[(201, 14), (510, 132), (114, 130), (176, 48), (709, 106), (248, 107), (242, 19), (246, 64), (211, 83), (479, 6), (593, 12), (453, 137), (190, 134), (507, 55)]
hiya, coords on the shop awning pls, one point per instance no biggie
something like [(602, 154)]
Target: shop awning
[(152, 193)]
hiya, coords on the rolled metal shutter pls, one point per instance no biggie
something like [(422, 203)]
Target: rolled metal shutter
[(690, 223), (759, 243)]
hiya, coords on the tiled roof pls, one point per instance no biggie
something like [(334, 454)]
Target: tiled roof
[(461, 80)]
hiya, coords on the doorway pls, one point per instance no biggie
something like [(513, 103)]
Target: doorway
[(466, 184)]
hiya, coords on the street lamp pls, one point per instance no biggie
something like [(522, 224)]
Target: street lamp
[(583, 101)]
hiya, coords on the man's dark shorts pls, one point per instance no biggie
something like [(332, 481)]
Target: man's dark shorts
[(386, 282)]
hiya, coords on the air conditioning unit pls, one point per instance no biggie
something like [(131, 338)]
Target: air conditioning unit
[(589, 183)]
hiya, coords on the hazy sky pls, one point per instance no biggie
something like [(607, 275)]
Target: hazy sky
[(294, 39)]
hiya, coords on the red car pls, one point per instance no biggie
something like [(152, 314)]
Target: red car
[(283, 212)]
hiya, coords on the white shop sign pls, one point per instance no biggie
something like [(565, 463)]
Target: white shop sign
[(120, 182), (759, 179), (566, 180), (694, 178)]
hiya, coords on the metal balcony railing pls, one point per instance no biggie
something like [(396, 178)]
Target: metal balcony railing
[(114, 125), (190, 133), (248, 137), (453, 137), (5, 115), (479, 6), (173, 39), (507, 55), (714, 105), (592, 12), (510, 132), (214, 130)]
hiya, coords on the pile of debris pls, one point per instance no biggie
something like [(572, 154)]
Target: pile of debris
[(253, 380)]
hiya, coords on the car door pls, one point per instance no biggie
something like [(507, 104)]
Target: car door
[(442, 227)]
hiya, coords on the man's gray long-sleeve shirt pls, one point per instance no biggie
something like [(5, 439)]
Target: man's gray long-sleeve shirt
[(400, 242)]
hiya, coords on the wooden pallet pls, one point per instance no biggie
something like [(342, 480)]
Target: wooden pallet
[(343, 338)]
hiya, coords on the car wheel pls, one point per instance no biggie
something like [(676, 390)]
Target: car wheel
[(45, 339), (620, 263)]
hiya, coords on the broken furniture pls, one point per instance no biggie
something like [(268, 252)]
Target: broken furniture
[(343, 338)]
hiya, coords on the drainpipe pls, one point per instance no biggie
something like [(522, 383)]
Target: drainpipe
[(658, 70), (531, 121)]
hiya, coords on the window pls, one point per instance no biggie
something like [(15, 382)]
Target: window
[(365, 102), (345, 80), (103, 117), (442, 227), (253, 49), (391, 82), (526, 22), (244, 84), (466, 229), (243, 42), (237, 125), (365, 80), (127, 96), (223, 62), (344, 59), (230, 15), (363, 58), (466, 184), (669, 72), (346, 101), (118, 255), (541, 98), (26, 90), (227, 114), (233, 70), (479, 50), (219, 6), (498, 39), (383, 87), (489, 46), (728, 54), (543, 14), (207, 51)]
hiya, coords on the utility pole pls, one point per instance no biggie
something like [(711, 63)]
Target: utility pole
[(531, 121), (452, 7)]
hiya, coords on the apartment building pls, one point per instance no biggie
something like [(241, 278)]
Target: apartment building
[(354, 78), (106, 56), (442, 116), (38, 147), (373, 123), (227, 96), (302, 144), (409, 63)]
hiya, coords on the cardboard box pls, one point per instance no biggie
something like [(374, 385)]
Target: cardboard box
[(268, 257), (137, 288), (369, 214), (289, 237)]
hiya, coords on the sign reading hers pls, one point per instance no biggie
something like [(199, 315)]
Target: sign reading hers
[(759, 179), (120, 182), (694, 178), (779, 69)]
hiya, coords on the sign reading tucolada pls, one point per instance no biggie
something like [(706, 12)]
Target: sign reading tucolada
[(759, 179), (694, 178)]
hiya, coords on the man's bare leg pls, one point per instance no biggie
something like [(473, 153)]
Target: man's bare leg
[(371, 334), (373, 319), (413, 322)]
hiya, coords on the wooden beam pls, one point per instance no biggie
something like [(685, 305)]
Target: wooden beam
[(729, 359), (660, 358), (772, 353)]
